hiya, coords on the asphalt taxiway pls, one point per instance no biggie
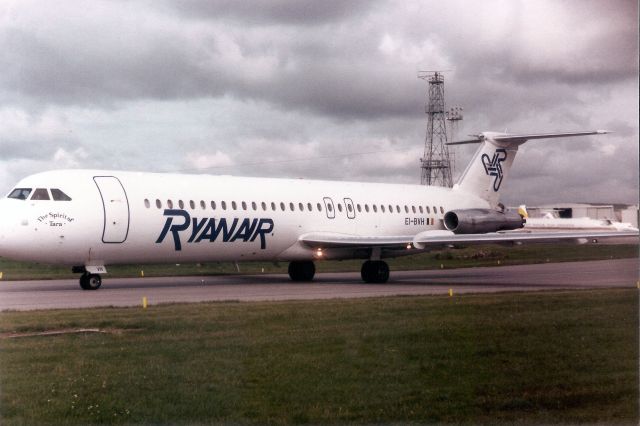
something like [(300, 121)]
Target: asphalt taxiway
[(54, 294)]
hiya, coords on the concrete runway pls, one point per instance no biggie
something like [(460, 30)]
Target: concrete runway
[(53, 294)]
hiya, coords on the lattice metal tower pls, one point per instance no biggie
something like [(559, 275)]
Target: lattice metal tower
[(435, 163)]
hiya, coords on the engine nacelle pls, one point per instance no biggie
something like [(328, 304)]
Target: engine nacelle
[(480, 221)]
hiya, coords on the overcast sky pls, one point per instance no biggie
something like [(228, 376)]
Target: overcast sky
[(319, 89)]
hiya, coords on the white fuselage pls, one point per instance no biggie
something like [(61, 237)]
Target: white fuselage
[(128, 217)]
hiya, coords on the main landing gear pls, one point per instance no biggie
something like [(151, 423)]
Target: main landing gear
[(375, 271), (302, 270)]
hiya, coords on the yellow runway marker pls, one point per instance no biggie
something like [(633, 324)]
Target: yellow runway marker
[(450, 292), (144, 302)]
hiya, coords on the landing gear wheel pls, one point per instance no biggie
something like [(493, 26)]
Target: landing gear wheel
[(90, 281), (375, 271), (302, 270)]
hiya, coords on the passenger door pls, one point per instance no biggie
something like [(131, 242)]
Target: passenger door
[(116, 209)]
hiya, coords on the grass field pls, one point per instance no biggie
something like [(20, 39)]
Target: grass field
[(551, 357), (451, 258)]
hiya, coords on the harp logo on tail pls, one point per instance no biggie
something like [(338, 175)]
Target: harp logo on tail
[(493, 166)]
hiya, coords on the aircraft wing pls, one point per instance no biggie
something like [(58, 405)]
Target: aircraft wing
[(332, 240), (434, 239)]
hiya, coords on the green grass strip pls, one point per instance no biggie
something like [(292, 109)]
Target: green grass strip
[(550, 357)]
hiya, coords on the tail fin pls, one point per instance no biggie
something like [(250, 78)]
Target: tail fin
[(485, 174)]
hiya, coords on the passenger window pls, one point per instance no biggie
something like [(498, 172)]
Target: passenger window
[(158, 204), (234, 206), (350, 208), (359, 207), (301, 207), (366, 208), (40, 194), (264, 206), (192, 204), (203, 206), (382, 208), (397, 208), (428, 210), (309, 207), (170, 204), (330, 208), (58, 195), (340, 207), (254, 205), (406, 209), (147, 204), (273, 206), (244, 205), (420, 208), (319, 207), (413, 209), (20, 193), (390, 208), (281, 206), (441, 210), (292, 207), (213, 205), (223, 204), (375, 209)]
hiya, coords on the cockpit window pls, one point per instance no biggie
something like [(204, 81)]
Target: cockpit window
[(40, 194), (20, 193), (58, 195)]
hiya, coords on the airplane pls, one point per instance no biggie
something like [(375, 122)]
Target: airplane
[(89, 219), (551, 221)]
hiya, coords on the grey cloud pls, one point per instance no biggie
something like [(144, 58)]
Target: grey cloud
[(301, 12), (37, 67), (336, 71), (33, 147), (318, 74)]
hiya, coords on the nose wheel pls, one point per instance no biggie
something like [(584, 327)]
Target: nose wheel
[(90, 281)]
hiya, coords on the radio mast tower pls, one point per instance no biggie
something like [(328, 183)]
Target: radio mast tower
[(435, 163)]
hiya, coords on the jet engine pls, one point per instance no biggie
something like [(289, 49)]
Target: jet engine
[(480, 221)]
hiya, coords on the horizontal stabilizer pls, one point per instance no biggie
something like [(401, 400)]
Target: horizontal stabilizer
[(505, 137)]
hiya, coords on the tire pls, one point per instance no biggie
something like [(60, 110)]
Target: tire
[(302, 271), (375, 271), (90, 281)]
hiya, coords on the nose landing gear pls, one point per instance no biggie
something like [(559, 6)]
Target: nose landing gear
[(89, 280)]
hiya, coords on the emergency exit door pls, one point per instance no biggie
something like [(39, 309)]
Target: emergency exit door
[(116, 209)]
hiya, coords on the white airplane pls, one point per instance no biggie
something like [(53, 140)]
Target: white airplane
[(89, 219), (550, 221)]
